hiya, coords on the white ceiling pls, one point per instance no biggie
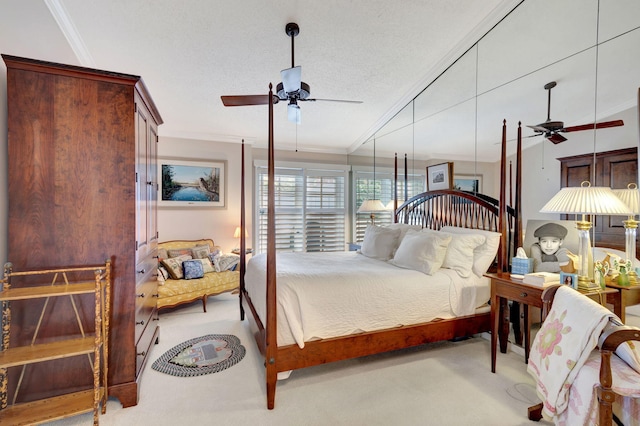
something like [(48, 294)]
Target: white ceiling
[(383, 53)]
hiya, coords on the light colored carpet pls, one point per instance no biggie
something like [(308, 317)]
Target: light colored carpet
[(439, 384)]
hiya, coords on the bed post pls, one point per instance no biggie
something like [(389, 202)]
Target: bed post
[(395, 189), (517, 235), (243, 266), (406, 179), (271, 344), (502, 217)]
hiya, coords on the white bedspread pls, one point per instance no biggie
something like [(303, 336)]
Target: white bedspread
[(322, 295)]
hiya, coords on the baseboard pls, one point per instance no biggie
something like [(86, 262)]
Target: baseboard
[(510, 346)]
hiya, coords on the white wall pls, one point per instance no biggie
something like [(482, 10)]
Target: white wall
[(192, 223)]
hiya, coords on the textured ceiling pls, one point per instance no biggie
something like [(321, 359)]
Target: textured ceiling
[(382, 53)]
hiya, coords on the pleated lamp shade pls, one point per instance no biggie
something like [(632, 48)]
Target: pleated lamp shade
[(630, 196), (586, 200), (369, 206), (236, 233)]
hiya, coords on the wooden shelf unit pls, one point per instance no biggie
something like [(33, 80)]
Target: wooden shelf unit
[(96, 343)]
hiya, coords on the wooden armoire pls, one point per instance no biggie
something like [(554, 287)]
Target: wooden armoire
[(615, 169), (82, 155)]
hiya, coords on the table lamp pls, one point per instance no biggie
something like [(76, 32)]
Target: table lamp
[(631, 198), (371, 206), (585, 200), (236, 235)]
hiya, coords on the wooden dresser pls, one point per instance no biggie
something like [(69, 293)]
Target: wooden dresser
[(615, 169), (82, 154)]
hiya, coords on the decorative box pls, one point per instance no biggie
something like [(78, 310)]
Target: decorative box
[(521, 266)]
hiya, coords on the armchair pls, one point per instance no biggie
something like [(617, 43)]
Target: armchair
[(577, 382)]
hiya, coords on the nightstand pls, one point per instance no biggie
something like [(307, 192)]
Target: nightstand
[(504, 288), (354, 246), (625, 296), (246, 251)]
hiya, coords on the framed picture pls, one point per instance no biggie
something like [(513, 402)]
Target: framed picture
[(440, 176), (569, 279), (469, 183), (560, 237), (191, 183)]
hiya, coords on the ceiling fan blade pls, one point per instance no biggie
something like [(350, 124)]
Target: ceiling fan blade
[(246, 100), (556, 138), (538, 128), (330, 100), (523, 138), (590, 126), (291, 79), (293, 113)]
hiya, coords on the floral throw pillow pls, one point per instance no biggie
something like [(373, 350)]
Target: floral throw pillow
[(192, 269), (226, 262), (174, 266), (200, 252)]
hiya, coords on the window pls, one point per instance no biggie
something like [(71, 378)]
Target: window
[(310, 213), (382, 188)]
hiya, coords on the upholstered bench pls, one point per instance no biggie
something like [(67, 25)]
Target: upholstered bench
[(173, 292)]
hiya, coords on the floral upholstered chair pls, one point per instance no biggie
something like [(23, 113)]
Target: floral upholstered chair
[(577, 382)]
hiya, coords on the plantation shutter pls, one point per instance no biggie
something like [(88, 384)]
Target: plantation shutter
[(325, 214), (382, 188), (310, 212)]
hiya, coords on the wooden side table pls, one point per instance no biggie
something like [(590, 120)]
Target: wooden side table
[(625, 296), (504, 288)]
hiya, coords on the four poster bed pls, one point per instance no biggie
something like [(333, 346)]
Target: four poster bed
[(318, 313)]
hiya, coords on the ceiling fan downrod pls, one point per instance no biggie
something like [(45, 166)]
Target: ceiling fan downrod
[(292, 29)]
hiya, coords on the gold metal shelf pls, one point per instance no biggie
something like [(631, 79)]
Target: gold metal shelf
[(23, 355), (49, 409), (23, 293), (94, 344)]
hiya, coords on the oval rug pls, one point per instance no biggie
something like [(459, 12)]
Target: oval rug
[(202, 355)]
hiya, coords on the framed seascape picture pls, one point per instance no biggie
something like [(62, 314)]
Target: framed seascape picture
[(191, 183), (440, 176), (469, 183)]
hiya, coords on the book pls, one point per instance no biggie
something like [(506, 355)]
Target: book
[(542, 279)]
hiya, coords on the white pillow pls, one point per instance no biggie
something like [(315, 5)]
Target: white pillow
[(379, 242), (421, 251), (459, 255), (403, 227), (484, 254)]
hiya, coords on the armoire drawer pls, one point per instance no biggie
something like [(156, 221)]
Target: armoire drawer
[(148, 335)]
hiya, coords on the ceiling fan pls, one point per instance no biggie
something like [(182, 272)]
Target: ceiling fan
[(551, 129), (291, 89)]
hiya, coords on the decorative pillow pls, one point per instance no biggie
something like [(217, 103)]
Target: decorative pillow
[(207, 266), (421, 251), (200, 252), (226, 262), (459, 255), (379, 242), (192, 269), (163, 274), (179, 252), (162, 253), (629, 352), (484, 254), (174, 266)]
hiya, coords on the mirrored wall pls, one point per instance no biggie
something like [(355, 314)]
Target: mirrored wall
[(588, 47)]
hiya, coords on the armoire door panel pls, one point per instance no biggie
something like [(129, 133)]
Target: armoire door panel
[(614, 169)]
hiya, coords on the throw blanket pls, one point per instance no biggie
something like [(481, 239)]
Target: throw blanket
[(583, 403), (562, 346)]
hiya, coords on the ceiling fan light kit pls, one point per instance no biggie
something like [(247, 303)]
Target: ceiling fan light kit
[(551, 129), (291, 89)]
